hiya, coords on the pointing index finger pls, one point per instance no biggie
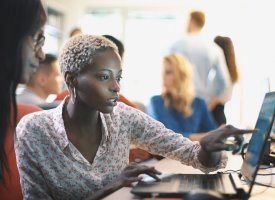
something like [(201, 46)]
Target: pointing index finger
[(239, 132), (247, 130)]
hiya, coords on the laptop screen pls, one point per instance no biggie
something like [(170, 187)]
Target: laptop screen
[(258, 140)]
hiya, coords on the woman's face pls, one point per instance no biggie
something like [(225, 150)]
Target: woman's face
[(168, 75), (98, 85), (32, 54)]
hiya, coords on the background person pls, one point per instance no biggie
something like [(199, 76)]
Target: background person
[(83, 145), (177, 107), (211, 76), (45, 81), (22, 36), (75, 31), (227, 46)]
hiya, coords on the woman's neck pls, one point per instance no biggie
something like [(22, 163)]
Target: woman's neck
[(80, 115), (83, 128)]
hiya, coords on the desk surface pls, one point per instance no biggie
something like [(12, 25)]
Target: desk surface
[(168, 166)]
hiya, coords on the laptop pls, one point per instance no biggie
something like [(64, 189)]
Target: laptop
[(229, 185)]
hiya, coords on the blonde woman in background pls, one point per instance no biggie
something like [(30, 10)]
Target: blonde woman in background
[(177, 107)]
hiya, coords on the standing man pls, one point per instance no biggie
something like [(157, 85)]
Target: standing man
[(211, 77)]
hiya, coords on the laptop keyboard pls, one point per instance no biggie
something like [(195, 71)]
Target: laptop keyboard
[(179, 184), (217, 182)]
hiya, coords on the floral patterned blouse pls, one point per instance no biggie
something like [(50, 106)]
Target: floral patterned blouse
[(51, 167)]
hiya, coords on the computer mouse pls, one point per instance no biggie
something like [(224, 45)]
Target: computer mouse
[(201, 194)]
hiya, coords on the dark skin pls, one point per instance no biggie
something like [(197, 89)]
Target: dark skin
[(128, 176), (97, 88), (82, 118), (214, 142), (79, 133)]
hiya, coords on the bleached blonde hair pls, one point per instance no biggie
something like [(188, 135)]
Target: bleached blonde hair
[(183, 84), (80, 50)]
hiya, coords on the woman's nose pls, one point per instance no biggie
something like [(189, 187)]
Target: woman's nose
[(40, 54), (115, 86)]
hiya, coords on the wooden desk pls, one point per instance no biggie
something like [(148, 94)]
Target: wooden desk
[(168, 166)]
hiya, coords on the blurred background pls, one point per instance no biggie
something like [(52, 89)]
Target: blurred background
[(148, 28)]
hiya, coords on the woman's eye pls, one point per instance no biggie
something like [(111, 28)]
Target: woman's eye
[(119, 78), (103, 77)]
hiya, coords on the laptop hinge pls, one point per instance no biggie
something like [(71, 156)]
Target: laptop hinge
[(236, 180), (237, 183)]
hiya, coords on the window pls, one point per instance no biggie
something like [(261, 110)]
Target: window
[(53, 31)]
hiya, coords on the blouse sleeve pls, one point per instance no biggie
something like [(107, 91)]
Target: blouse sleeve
[(31, 179), (152, 136)]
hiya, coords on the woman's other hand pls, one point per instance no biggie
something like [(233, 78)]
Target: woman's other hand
[(131, 173)]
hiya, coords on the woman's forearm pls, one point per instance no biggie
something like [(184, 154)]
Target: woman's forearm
[(196, 136)]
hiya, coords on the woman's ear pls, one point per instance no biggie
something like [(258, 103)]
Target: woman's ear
[(40, 79), (70, 79)]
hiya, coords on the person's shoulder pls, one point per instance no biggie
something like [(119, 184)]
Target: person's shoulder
[(199, 101), (24, 109), (22, 96), (122, 108), (178, 42), (156, 97), (121, 105), (33, 117), (181, 40), (216, 48), (35, 125), (121, 112), (36, 118), (28, 122)]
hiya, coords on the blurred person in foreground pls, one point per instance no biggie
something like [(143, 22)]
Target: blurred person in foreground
[(22, 38)]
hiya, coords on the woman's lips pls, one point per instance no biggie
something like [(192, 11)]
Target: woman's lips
[(113, 101)]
